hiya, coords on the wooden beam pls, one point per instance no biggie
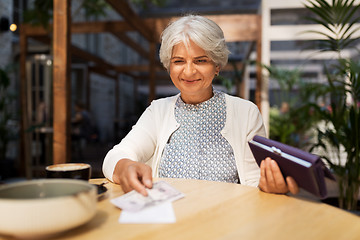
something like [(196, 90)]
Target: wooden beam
[(76, 51), (117, 28), (123, 8), (132, 68), (102, 71), (80, 27), (236, 27), (101, 27), (135, 76), (131, 43), (32, 31), (61, 82), (103, 67)]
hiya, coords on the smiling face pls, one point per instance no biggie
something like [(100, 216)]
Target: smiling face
[(192, 72)]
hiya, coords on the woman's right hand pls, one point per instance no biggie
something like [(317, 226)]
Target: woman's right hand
[(133, 175)]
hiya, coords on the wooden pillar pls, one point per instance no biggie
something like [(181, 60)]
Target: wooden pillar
[(152, 71), (258, 88), (61, 84), (242, 87), (25, 153)]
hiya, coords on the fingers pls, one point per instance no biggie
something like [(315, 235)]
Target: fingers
[(263, 183), (119, 175), (279, 180), (293, 187), (269, 174), (133, 176), (272, 180), (147, 177), (133, 179)]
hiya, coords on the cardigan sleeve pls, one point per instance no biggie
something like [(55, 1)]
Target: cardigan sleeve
[(138, 145), (255, 127)]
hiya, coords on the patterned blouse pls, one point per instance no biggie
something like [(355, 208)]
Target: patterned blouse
[(197, 149)]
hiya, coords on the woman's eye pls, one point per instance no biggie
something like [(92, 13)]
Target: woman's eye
[(201, 61), (178, 61)]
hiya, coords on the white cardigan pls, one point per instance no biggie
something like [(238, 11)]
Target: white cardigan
[(148, 137)]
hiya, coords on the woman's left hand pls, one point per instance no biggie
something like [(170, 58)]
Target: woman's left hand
[(272, 180)]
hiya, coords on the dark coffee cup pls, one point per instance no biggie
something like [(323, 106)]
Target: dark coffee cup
[(69, 170)]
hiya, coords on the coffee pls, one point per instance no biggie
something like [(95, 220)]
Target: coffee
[(69, 170)]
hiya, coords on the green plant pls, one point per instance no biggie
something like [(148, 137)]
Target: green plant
[(287, 80), (281, 126), (342, 120), (342, 129), (291, 118), (338, 19)]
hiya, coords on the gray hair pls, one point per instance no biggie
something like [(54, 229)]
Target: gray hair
[(202, 31)]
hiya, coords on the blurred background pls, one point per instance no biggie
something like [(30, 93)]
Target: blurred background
[(114, 72)]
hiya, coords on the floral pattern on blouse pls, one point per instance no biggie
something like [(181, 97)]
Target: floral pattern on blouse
[(197, 150)]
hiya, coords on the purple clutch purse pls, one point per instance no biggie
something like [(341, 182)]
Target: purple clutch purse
[(307, 169)]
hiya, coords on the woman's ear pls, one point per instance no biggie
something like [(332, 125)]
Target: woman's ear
[(217, 70)]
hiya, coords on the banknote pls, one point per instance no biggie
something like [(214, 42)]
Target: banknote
[(159, 193)]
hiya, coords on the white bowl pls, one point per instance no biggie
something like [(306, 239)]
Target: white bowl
[(39, 208)]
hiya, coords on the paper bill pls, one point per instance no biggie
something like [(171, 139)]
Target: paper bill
[(161, 213), (161, 192)]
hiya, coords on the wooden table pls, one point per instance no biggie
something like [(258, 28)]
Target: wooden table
[(214, 210)]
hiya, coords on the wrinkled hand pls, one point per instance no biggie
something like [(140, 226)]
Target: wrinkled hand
[(133, 175), (272, 180)]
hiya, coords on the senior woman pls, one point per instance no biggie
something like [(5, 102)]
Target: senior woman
[(200, 133)]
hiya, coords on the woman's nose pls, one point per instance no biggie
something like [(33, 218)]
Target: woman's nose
[(189, 69)]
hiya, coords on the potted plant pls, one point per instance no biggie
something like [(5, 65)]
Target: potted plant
[(341, 130)]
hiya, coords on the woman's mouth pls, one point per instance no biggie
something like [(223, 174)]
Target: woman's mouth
[(190, 80)]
